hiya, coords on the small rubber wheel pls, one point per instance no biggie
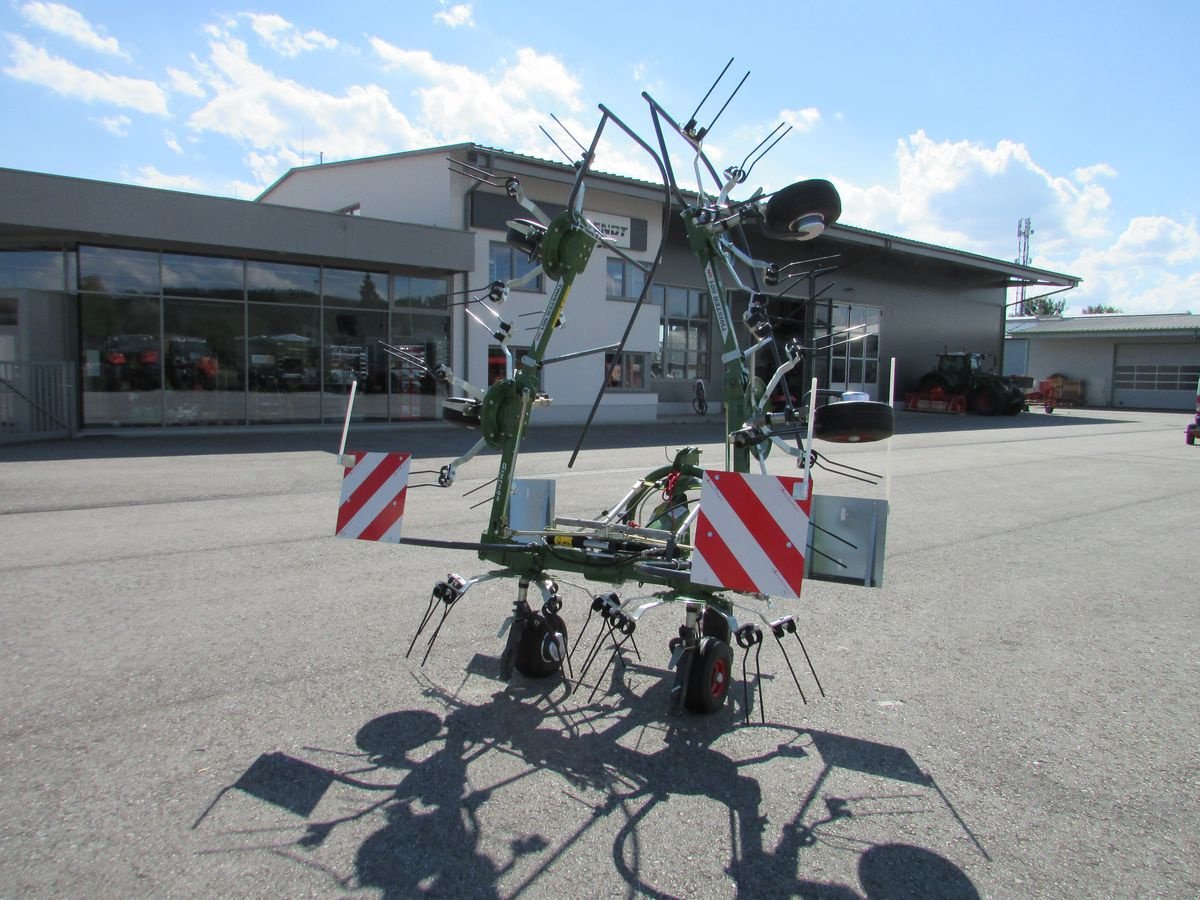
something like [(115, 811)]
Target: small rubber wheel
[(1191, 436), (533, 657), (854, 422), (788, 208), (710, 676)]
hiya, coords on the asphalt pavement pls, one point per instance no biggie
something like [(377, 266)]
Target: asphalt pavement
[(204, 693)]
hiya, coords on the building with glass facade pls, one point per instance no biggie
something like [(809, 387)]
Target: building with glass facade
[(163, 309), (174, 309)]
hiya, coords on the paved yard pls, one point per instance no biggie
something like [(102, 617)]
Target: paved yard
[(203, 693)]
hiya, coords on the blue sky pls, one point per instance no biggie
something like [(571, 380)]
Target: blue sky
[(939, 121)]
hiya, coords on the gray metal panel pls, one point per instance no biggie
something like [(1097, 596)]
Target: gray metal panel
[(73, 208)]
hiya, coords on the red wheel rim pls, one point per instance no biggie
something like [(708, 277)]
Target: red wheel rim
[(720, 673)]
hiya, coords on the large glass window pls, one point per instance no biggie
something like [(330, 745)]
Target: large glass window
[(204, 363), (32, 284), (425, 342), (187, 339), (282, 282), (854, 348), (122, 360), (628, 372), (625, 281), (684, 332), (346, 287), (354, 353), (109, 271), (415, 291), (207, 277), (506, 263), (284, 363)]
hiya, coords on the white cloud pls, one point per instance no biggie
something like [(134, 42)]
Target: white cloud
[(456, 16), (276, 118), (68, 23), (182, 82), (801, 119), (505, 108), (285, 38), (152, 177), (970, 196), (172, 142), (35, 65), (118, 125)]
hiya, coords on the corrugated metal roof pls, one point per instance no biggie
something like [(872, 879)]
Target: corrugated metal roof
[(1105, 325)]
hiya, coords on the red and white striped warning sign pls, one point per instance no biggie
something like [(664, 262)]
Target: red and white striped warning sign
[(373, 492), (751, 532)]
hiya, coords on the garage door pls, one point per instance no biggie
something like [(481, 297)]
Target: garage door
[(1156, 376)]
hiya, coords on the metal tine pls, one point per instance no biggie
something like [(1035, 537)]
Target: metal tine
[(722, 109), (742, 168), (404, 356), (810, 665), (616, 654), (433, 637), (483, 175), (691, 123), (424, 621), (838, 468), (567, 131), (593, 653), (555, 143), (787, 660)]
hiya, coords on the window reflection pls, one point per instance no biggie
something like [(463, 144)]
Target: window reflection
[(346, 287), (284, 364), (203, 276), (353, 353), (194, 351), (425, 340), (111, 271), (282, 282), (122, 361), (429, 293), (204, 363)]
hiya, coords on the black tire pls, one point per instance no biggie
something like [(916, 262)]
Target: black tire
[(787, 208), (708, 683), (532, 660), (854, 422), (986, 401)]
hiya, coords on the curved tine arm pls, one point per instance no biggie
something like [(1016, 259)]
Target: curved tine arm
[(575, 201), (649, 281)]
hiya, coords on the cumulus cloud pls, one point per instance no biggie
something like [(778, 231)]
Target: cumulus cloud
[(505, 107), (150, 176), (182, 82), (456, 16), (275, 116), (285, 38), (35, 65), (117, 125), (971, 196), (801, 119), (68, 23)]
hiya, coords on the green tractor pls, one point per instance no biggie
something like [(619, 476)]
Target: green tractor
[(963, 374)]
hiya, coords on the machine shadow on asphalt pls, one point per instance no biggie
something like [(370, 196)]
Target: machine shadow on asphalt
[(440, 803)]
